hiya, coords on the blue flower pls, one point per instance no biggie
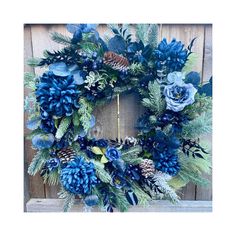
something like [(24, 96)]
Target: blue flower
[(78, 176), (112, 154), (137, 52), (78, 29), (103, 143), (178, 94), (56, 95), (118, 181), (171, 56), (167, 162)]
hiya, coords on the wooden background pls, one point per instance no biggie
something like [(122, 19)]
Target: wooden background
[(37, 39)]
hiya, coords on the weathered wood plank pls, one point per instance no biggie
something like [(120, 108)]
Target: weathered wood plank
[(33, 185), (56, 205), (130, 111), (207, 60), (41, 41), (205, 193)]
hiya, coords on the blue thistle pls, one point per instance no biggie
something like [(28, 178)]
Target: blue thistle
[(171, 56), (78, 176), (56, 95)]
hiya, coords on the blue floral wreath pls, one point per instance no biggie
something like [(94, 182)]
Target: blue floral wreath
[(89, 71)]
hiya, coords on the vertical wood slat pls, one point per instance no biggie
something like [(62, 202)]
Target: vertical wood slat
[(32, 184), (41, 41), (207, 60)]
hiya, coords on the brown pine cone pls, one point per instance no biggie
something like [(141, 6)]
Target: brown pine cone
[(66, 155), (147, 168), (115, 61)]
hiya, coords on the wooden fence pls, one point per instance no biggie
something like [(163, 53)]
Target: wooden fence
[(37, 39)]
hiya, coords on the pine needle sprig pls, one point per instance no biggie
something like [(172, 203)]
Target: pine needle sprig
[(38, 161), (155, 101), (69, 199), (60, 38)]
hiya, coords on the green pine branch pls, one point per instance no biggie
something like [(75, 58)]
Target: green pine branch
[(69, 199), (60, 38), (52, 178), (198, 126), (131, 156), (64, 124), (85, 114), (33, 62), (155, 101), (29, 80), (141, 32), (152, 37), (38, 161), (103, 175)]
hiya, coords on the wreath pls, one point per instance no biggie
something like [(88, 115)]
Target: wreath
[(89, 71)]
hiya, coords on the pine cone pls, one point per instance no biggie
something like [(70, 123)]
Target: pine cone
[(147, 168), (66, 155), (115, 61)]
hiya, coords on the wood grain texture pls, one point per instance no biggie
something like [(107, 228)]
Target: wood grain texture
[(207, 60), (56, 205), (33, 184), (41, 41)]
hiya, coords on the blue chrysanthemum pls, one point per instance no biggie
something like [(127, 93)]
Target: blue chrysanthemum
[(172, 56), (78, 176), (57, 95)]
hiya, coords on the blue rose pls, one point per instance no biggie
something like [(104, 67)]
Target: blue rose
[(112, 154), (178, 94)]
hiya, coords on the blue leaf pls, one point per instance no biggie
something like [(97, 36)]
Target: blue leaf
[(193, 78), (59, 69), (78, 77), (206, 89), (92, 121), (42, 141), (131, 197), (77, 36), (33, 123), (117, 44), (72, 27)]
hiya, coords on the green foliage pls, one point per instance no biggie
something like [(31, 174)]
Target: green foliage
[(101, 173), (191, 62), (33, 133), (88, 47), (152, 35), (60, 38), (34, 62), (131, 156), (96, 79), (52, 178), (136, 69), (141, 32), (158, 187), (154, 102), (64, 124), (38, 161), (191, 171), (29, 80), (30, 104), (120, 200), (143, 198), (75, 119), (85, 114), (69, 199), (202, 104), (197, 127)]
